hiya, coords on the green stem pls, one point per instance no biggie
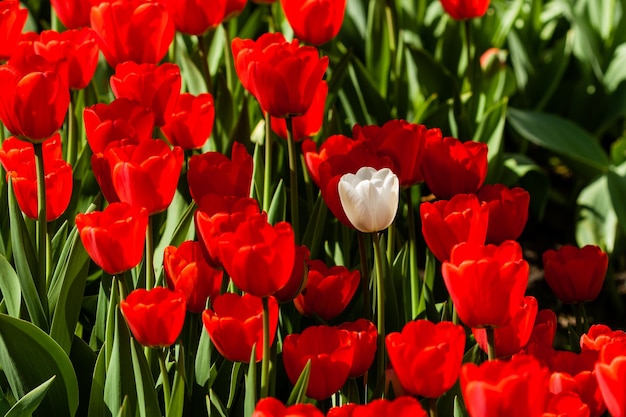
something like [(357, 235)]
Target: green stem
[(42, 222), (391, 233), (72, 137), (579, 318), (149, 256), (2, 137), (380, 306), (293, 180), (165, 378), (267, 178), (491, 343), (413, 270), (265, 361), (204, 62), (365, 276), (432, 407), (467, 25)]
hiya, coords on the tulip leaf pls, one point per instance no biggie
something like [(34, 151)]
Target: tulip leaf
[(203, 359), (490, 131), (192, 77), (298, 393), (617, 190), (29, 357), (27, 405), (459, 408), (234, 383), (83, 360), (177, 398), (377, 53), (215, 400), (278, 207), (250, 399), (146, 393), (25, 264), (315, 227), (10, 287), (97, 407), (563, 137)]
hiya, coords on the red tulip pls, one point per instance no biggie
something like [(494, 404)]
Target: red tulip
[(314, 21), (544, 328), (155, 317), (331, 354), (132, 30), (16, 152), (567, 404), (398, 407), (465, 9), (236, 325), (427, 356), (399, 142), (191, 123), (512, 338), (156, 87), (299, 276), (72, 13), (598, 336), (102, 173), (210, 228), (33, 105), (448, 223), (187, 270), (194, 17), (258, 256), (145, 174), (121, 119), (611, 374), (575, 275), (515, 388), (114, 238), (282, 76), (12, 21), (453, 167), (364, 337), (213, 177), (271, 407), (486, 283), (328, 290), (310, 123), (508, 211)]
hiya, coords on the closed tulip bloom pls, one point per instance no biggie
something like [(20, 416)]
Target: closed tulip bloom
[(16, 152), (447, 223), (599, 335), (370, 198), (299, 276), (514, 388), (73, 14), (427, 356), (156, 87), (486, 283), (187, 270), (308, 124), (544, 328), (453, 167), (271, 407), (235, 325), (12, 21), (132, 30), (403, 406), (212, 177), (611, 374), (465, 9), (191, 123), (566, 404), (258, 256), (194, 17), (314, 21), (121, 119), (508, 211), (32, 105), (364, 337), (114, 238), (331, 353), (328, 290), (512, 338), (145, 174), (575, 275), (282, 76), (102, 173), (155, 317)]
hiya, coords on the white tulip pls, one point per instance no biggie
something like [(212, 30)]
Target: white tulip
[(370, 198)]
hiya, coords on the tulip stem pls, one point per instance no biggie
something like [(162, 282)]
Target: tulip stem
[(265, 361), (2, 137), (293, 179), (579, 318), (365, 277), (165, 378), (267, 178), (204, 62), (380, 307), (149, 256), (432, 407), (491, 343), (413, 271), (42, 222), (72, 139)]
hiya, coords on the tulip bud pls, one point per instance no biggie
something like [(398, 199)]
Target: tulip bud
[(370, 198)]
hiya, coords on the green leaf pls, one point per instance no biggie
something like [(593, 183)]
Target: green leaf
[(617, 190), (377, 51), (250, 399), (298, 393), (490, 131), (217, 404), (459, 408), (27, 405), (97, 407), (278, 207), (315, 227), (146, 393), (10, 287), (28, 357), (562, 137), (616, 72), (203, 359), (177, 397), (83, 360)]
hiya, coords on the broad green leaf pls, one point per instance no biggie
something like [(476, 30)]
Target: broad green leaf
[(616, 183), (519, 170), (10, 287), (616, 72), (97, 407), (278, 207), (459, 408), (83, 360), (177, 397), (298, 393), (28, 357), (562, 137), (250, 399), (203, 359), (217, 403), (191, 75), (377, 51), (146, 393), (315, 227), (490, 131), (27, 405)]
